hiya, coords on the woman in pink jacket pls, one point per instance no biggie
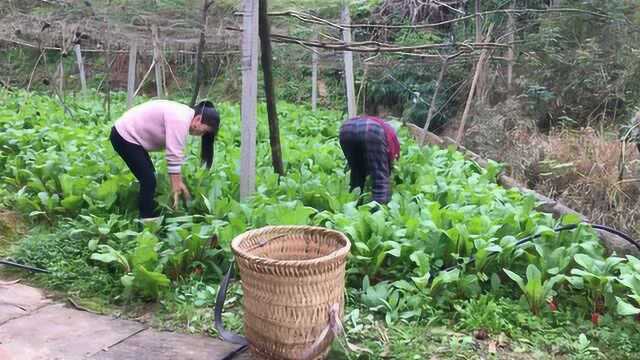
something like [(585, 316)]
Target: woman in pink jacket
[(163, 125)]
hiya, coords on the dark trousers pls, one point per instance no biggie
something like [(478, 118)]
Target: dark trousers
[(139, 162), (364, 145)]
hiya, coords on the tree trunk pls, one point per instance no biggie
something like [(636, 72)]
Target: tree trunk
[(197, 76), (269, 89), (249, 63)]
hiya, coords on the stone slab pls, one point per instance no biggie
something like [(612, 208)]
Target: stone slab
[(58, 333), (17, 300), (158, 345)]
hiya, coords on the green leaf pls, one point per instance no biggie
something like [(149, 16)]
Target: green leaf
[(93, 244), (149, 283), (145, 253), (421, 260), (570, 219), (108, 255), (515, 277), (624, 308), (72, 202)]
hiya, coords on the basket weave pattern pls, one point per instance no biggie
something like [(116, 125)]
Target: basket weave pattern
[(291, 275)]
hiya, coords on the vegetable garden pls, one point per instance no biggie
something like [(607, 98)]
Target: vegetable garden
[(560, 295)]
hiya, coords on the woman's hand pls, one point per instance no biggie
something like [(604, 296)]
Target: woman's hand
[(177, 189)]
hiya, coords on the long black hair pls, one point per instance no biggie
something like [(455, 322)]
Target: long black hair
[(211, 118)]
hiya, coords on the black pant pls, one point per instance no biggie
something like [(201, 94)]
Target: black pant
[(364, 145), (139, 162)]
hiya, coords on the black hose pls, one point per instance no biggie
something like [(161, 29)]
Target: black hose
[(558, 229), (24, 267)]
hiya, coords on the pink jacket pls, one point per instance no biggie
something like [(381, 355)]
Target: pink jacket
[(157, 125)]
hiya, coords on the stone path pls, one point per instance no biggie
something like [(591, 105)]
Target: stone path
[(33, 327)]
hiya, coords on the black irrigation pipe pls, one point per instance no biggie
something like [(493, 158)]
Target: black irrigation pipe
[(525, 240), (23, 267)]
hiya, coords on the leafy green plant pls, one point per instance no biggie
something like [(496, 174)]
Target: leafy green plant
[(597, 277), (630, 278), (537, 291), (142, 270)]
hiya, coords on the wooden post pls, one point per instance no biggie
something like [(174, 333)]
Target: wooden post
[(467, 108), (131, 78), (443, 70), (61, 76), (511, 26), (314, 78), (83, 79), (478, 22), (158, 61), (163, 70), (197, 76), (482, 79), (107, 76), (348, 64), (248, 110), (269, 88)]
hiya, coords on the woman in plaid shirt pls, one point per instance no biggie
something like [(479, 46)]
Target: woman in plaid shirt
[(370, 146)]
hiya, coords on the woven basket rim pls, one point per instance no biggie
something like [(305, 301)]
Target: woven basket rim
[(340, 252)]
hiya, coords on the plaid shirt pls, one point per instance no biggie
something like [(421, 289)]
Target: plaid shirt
[(364, 143)]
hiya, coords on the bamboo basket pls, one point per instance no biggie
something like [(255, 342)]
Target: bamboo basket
[(291, 277)]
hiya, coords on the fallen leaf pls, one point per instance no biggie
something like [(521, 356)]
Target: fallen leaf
[(492, 347)]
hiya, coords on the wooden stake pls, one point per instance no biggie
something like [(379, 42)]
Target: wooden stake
[(511, 26), (61, 77), (83, 79), (432, 107), (34, 70), (314, 77), (467, 107), (269, 89), (158, 61), (478, 22), (348, 65), (249, 64), (131, 78), (482, 80), (107, 77)]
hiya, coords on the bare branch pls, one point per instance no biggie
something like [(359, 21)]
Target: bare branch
[(314, 19)]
